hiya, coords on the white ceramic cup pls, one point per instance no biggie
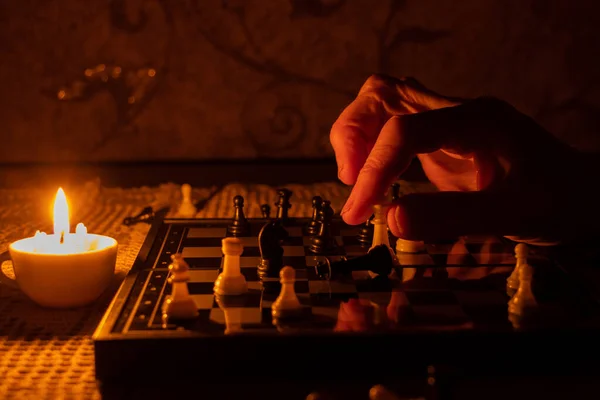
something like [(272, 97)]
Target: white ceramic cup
[(61, 280)]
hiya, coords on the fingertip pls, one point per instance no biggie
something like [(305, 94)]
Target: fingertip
[(355, 213), (347, 175), (399, 221)]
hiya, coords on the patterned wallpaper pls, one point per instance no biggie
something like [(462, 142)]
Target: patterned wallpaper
[(203, 79)]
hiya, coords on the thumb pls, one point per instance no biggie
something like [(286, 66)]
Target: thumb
[(447, 215)]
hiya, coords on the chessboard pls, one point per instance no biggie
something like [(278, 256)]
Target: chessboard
[(444, 304)]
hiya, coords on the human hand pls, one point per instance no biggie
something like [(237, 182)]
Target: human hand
[(495, 168)]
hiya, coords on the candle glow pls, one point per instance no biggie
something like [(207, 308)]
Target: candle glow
[(61, 214), (63, 241)]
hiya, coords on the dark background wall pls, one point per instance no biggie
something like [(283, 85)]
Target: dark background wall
[(126, 80)]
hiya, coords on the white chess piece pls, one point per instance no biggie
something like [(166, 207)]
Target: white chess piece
[(287, 301), (231, 281), (232, 316), (380, 232), (380, 227), (523, 302), (521, 254), (409, 246), (186, 208), (179, 305)]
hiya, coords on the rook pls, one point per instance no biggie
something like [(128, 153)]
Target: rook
[(231, 281)]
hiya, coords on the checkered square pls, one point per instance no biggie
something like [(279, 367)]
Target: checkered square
[(418, 298)]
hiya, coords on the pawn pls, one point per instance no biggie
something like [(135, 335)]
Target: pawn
[(283, 205), (231, 281), (179, 305), (287, 304), (186, 208), (239, 225), (521, 254), (523, 303), (313, 225), (265, 210), (324, 241), (365, 233)]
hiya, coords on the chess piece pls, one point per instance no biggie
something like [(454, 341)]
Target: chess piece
[(314, 224), (146, 215), (395, 191), (378, 260), (283, 205), (231, 281), (179, 305), (232, 314), (409, 246), (270, 240), (523, 302), (365, 233), (324, 241), (287, 303), (265, 210), (380, 227), (521, 254), (186, 208), (380, 231), (239, 225)]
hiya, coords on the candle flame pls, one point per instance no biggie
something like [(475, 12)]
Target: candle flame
[(61, 214)]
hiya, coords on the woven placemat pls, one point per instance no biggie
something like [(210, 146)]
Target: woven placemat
[(48, 354)]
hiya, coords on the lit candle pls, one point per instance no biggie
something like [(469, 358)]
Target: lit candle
[(62, 241), (63, 269), (61, 215)]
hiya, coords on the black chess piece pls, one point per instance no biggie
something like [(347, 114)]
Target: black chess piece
[(365, 233), (239, 225), (395, 191), (270, 240), (283, 205), (313, 226), (265, 209), (324, 241), (146, 215), (378, 260)]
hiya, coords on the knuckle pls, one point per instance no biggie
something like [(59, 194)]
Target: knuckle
[(381, 159), (373, 166), (377, 82)]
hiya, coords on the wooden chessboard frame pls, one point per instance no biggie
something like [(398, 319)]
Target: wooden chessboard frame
[(142, 355)]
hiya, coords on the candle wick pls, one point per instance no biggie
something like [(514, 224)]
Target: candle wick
[(62, 237)]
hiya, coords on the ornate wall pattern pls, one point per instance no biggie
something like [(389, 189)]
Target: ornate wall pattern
[(203, 79)]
